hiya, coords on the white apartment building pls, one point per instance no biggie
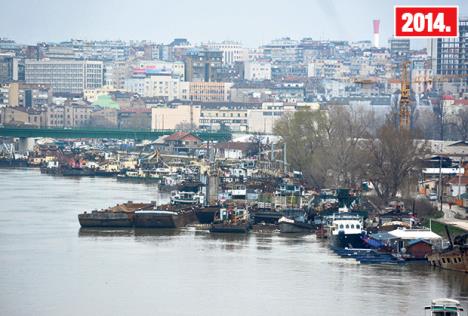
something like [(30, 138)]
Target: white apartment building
[(232, 51), (263, 120), (257, 71), (327, 68), (65, 76), (160, 86)]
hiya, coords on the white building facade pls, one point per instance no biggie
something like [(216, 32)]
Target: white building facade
[(257, 71), (65, 76)]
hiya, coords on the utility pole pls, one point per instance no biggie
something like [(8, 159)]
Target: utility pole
[(441, 150)]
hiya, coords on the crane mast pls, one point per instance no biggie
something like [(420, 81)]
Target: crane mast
[(405, 112)]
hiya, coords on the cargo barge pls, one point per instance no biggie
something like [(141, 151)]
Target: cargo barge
[(120, 215)]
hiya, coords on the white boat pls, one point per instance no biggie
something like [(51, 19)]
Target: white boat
[(179, 197), (445, 307), (347, 231)]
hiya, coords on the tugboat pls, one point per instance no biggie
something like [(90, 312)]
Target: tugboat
[(455, 257), (347, 231), (295, 221), (445, 307), (231, 221)]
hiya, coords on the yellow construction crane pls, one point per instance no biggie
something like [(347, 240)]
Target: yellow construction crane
[(405, 111)]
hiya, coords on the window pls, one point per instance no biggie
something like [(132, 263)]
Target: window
[(347, 225), (352, 226), (341, 226), (358, 226)]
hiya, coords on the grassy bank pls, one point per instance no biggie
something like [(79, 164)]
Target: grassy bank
[(439, 229)]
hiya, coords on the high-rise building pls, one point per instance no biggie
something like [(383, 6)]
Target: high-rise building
[(450, 58), (66, 77), (11, 69), (232, 51), (203, 65), (283, 50)]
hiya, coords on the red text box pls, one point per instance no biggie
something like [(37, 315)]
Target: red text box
[(426, 21)]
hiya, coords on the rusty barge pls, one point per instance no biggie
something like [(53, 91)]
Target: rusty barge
[(139, 215)]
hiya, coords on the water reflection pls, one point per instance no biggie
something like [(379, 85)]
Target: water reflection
[(105, 232)]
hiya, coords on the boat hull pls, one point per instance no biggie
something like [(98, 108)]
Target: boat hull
[(296, 227), (342, 240), (230, 228), (455, 259), (105, 219), (269, 217), (155, 220), (206, 215)]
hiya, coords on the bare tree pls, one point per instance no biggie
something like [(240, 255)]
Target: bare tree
[(392, 157), (343, 152), (304, 132), (428, 123), (185, 126), (326, 146)]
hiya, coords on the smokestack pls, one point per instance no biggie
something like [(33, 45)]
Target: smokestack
[(376, 33)]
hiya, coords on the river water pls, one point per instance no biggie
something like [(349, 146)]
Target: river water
[(48, 266)]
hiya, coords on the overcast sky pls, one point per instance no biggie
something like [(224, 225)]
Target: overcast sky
[(252, 22)]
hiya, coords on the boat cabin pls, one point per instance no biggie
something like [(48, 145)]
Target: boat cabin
[(445, 307)]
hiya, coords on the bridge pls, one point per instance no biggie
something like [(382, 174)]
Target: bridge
[(31, 132)]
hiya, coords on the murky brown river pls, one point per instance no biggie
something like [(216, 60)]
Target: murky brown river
[(48, 266)]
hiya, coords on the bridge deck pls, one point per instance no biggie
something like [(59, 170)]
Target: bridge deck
[(103, 133)]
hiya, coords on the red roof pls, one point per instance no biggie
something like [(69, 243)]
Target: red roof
[(180, 136), (448, 97)]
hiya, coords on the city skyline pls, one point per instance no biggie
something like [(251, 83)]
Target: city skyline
[(200, 22)]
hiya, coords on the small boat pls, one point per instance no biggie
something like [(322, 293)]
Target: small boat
[(295, 221), (445, 307), (231, 221)]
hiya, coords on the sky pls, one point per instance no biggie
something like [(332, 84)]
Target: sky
[(252, 22)]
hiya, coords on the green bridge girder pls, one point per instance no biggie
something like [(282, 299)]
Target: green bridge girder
[(104, 133)]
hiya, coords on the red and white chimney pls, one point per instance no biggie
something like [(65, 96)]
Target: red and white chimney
[(376, 33)]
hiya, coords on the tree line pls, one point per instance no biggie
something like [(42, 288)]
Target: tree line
[(343, 147)]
